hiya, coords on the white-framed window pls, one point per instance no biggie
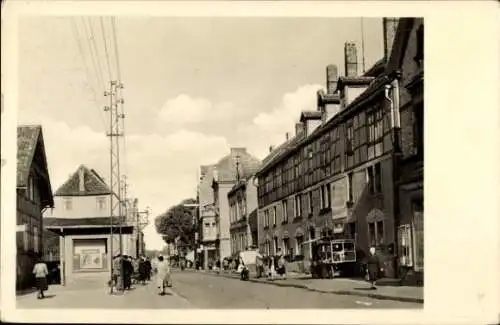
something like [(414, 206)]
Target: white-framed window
[(325, 193), (68, 204), (284, 205), (101, 203), (298, 206), (274, 215)]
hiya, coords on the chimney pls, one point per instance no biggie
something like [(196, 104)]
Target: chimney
[(81, 179), (350, 59), (271, 149), (390, 27), (299, 128), (332, 76)]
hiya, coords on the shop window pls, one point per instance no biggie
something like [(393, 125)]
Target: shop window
[(404, 246), (299, 240)]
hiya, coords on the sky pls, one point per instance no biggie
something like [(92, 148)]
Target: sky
[(194, 88)]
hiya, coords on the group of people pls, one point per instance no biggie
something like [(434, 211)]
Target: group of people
[(270, 266), (127, 270)]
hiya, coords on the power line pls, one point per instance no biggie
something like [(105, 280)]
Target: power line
[(106, 48), (93, 48), (87, 70)]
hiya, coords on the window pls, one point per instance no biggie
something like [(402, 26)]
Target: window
[(405, 246), (375, 132), (284, 206), (349, 188), (266, 218), (274, 216), (349, 138), (286, 246), (68, 204), (374, 178), (311, 202), (206, 229), (298, 206), (101, 203), (298, 248), (371, 234), (329, 195), (380, 232), (325, 192), (376, 233)]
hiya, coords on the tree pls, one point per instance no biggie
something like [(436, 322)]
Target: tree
[(178, 223)]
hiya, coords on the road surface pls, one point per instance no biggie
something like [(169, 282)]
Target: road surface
[(200, 290)]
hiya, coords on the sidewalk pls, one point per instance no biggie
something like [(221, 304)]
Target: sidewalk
[(343, 286)]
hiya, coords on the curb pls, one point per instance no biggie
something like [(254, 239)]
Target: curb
[(336, 292)]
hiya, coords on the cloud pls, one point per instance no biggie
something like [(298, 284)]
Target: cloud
[(184, 109), (269, 128), (162, 170)]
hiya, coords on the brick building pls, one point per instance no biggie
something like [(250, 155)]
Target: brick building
[(34, 195)]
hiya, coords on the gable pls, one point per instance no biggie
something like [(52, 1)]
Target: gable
[(93, 184), (31, 158)]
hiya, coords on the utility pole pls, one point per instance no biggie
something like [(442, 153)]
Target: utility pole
[(114, 133)]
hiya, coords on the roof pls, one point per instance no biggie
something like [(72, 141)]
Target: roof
[(310, 115), (30, 144), (385, 74), (93, 184), (66, 222), (327, 98), (376, 69), (226, 166), (358, 80)]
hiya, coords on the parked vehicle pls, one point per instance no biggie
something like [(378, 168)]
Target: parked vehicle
[(332, 257)]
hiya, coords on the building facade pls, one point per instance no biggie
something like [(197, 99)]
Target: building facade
[(89, 237), (34, 195), (340, 175), (410, 57), (242, 206), (238, 163), (207, 213)]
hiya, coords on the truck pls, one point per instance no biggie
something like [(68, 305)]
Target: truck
[(332, 257)]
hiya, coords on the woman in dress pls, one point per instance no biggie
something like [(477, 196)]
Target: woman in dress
[(40, 271)]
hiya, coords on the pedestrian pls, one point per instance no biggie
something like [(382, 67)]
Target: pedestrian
[(259, 263), (280, 264), (117, 281), (129, 272), (142, 270), (373, 267), (41, 272), (148, 269), (163, 277)]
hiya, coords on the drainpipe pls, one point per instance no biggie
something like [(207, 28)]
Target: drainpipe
[(392, 96)]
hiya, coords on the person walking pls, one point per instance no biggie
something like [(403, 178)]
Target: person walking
[(259, 263), (142, 270), (148, 269), (163, 277), (373, 267), (280, 264), (41, 272)]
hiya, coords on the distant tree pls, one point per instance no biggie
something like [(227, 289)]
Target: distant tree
[(178, 223)]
